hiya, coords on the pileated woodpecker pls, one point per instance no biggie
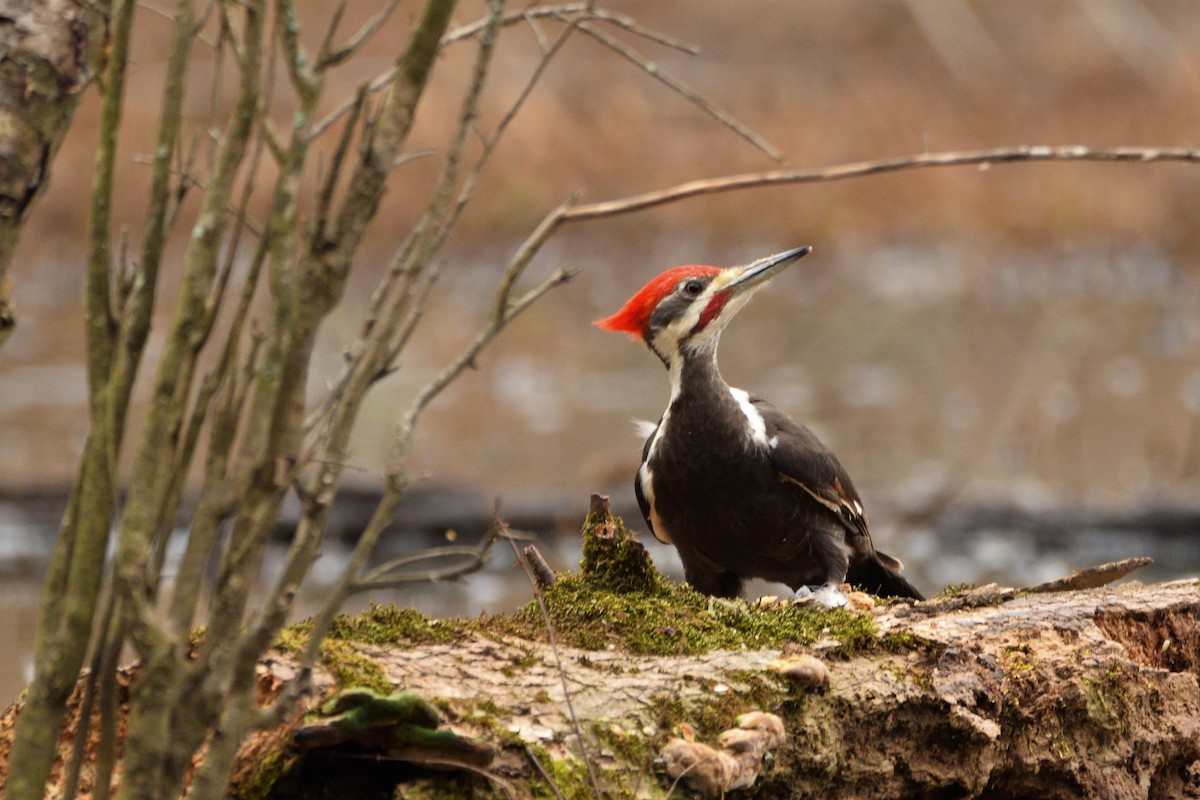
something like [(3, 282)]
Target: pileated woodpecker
[(738, 487)]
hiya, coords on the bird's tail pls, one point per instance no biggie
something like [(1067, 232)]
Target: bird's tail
[(879, 574)]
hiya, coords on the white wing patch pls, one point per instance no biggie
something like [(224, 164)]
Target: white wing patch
[(758, 425)]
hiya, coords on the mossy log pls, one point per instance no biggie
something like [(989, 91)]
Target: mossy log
[(1071, 689), (1087, 693), (1050, 692)]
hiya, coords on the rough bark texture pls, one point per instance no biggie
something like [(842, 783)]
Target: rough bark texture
[(46, 53), (1087, 693), (1082, 693)]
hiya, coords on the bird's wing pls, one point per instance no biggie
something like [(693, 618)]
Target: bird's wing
[(800, 458), (645, 494), (643, 501)]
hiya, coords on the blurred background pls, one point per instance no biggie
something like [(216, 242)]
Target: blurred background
[(1007, 360)]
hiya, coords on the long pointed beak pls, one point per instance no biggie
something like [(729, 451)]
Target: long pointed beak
[(765, 268)]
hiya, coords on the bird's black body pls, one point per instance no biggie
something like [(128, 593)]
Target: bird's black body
[(739, 488), (738, 505)]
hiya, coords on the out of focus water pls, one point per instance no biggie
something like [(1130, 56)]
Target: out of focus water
[(1010, 546), (1062, 386)]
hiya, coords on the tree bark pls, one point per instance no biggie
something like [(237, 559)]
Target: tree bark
[(1070, 694), (990, 693), (47, 50)]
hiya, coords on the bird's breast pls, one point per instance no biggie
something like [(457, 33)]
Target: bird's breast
[(708, 467)]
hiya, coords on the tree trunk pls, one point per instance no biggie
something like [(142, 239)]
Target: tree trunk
[(47, 49)]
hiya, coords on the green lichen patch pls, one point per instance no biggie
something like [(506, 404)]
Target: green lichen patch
[(1106, 699), (561, 778), (380, 624), (674, 619), (613, 560), (389, 624), (257, 775), (351, 668)]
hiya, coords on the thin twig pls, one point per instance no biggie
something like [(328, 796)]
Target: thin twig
[(562, 673), (634, 27), (465, 359), (679, 87), (982, 158), (489, 144), (545, 775), (331, 30), (558, 11), (543, 575), (332, 58), (476, 558)]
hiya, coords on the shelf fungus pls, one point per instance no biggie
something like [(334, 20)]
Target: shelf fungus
[(801, 669), (710, 771)]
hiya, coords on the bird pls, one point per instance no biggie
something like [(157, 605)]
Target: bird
[(737, 486)]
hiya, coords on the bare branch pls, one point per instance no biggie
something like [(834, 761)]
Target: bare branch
[(489, 145), (324, 199), (392, 574), (681, 88), (555, 11), (636, 28), (567, 12), (504, 311), (331, 30), (331, 58), (561, 11), (298, 69), (982, 158)]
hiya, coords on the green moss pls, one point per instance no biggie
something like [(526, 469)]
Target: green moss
[(380, 624), (902, 642), (630, 748), (521, 661), (293, 638), (618, 599), (263, 774), (613, 560), (348, 666), (674, 619), (955, 588), (351, 668), (489, 707), (567, 778), (1106, 701), (390, 624)]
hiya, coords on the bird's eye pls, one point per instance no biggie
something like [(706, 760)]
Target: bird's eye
[(692, 288)]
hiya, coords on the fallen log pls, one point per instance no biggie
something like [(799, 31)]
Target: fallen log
[(614, 677)]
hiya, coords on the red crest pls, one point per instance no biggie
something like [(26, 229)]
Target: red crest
[(635, 314)]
